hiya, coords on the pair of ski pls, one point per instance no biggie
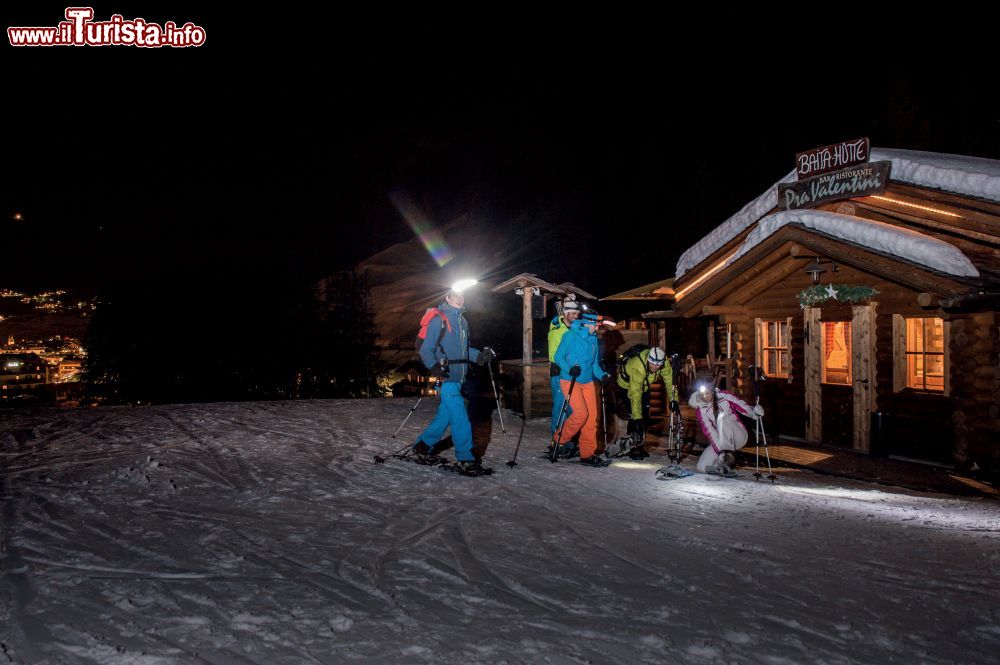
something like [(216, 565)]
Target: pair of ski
[(629, 446), (673, 471), (597, 462), (724, 468), (440, 462)]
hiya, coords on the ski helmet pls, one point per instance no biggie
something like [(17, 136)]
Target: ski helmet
[(656, 356)]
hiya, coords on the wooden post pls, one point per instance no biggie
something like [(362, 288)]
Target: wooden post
[(863, 350), (526, 349), (711, 343), (899, 353), (814, 389)]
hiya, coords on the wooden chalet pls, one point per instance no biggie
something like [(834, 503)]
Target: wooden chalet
[(873, 315)]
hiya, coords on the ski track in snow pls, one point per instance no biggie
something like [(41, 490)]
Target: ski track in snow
[(256, 533)]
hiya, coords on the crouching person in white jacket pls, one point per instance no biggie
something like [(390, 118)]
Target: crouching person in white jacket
[(718, 413)]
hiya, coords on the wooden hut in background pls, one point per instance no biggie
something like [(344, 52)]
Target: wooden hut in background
[(875, 307)]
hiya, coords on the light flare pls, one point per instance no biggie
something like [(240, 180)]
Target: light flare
[(422, 227)]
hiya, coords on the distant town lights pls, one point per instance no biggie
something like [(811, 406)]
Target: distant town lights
[(463, 284)]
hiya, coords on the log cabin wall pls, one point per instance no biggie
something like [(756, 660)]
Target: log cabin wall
[(975, 386), (919, 422)]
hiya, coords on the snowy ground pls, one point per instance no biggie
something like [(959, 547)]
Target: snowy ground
[(263, 533)]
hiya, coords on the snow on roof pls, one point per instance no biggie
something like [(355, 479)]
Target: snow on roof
[(730, 228), (906, 244), (959, 174), (971, 176)]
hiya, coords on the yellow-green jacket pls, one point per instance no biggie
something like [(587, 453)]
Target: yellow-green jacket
[(557, 328), (640, 378)]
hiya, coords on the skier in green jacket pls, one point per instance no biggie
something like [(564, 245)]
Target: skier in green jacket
[(640, 372)]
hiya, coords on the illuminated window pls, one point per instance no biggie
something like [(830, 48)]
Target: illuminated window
[(773, 344), (925, 354), (836, 352)]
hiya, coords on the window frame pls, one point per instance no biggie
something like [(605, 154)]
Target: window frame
[(760, 330), (901, 354), (849, 339)]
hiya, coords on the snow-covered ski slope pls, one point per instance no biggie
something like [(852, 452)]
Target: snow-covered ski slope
[(263, 533)]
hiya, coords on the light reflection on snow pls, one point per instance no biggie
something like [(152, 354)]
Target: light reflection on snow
[(860, 495), (926, 511), (635, 466)]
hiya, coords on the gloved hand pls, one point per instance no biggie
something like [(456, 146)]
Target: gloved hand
[(606, 379), (554, 369), (675, 406), (758, 410), (440, 369), (486, 356), (574, 371)]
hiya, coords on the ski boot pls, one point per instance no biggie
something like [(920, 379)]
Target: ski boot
[(568, 451), (424, 454), (565, 451), (638, 453), (672, 472), (724, 466), (623, 446), (472, 468), (595, 461)]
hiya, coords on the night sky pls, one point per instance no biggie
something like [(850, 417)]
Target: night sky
[(605, 144)]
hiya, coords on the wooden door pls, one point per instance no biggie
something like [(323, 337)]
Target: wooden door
[(864, 386), (813, 387)]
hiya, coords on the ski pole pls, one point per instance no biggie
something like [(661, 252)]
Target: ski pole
[(757, 441), (757, 375), (604, 417), (496, 396), (562, 421), (763, 435), (673, 436), (513, 462), (381, 460), (755, 380), (412, 409)]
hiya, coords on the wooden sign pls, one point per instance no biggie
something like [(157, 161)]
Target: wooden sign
[(844, 184), (832, 157)]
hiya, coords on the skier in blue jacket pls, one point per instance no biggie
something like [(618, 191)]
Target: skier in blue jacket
[(449, 359), (577, 358)]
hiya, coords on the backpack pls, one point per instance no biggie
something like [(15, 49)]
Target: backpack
[(425, 321), (623, 358)]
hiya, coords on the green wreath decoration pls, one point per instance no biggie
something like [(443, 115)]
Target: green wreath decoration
[(818, 293)]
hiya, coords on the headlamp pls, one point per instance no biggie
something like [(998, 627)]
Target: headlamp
[(463, 284)]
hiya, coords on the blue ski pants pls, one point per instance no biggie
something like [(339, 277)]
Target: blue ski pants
[(451, 413)]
